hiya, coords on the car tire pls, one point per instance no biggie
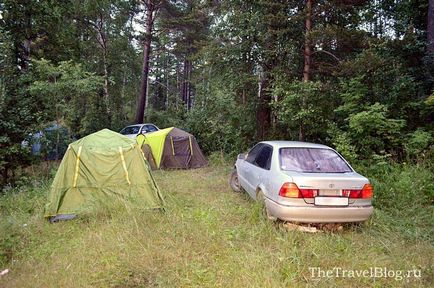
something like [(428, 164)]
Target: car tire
[(260, 198), (233, 181)]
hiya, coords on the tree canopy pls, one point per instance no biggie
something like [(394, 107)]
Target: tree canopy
[(231, 72)]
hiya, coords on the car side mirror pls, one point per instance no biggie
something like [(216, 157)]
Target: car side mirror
[(242, 156)]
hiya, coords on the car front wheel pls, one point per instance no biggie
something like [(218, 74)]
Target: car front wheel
[(234, 182)]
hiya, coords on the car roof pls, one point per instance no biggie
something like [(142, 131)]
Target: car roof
[(294, 144), (140, 125)]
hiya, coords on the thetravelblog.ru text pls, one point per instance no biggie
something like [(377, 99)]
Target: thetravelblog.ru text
[(371, 272)]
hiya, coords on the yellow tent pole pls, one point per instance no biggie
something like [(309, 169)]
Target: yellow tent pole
[(77, 165), (173, 149), (191, 146), (124, 165)]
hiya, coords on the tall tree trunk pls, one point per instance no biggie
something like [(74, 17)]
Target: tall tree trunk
[(184, 83), (186, 86), (27, 43), (307, 61), (141, 103), (103, 42), (179, 85), (124, 84), (189, 90), (26, 55), (431, 26), (307, 44), (264, 111), (157, 90), (100, 28), (166, 74), (106, 81)]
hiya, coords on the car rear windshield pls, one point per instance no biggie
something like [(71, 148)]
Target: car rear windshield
[(312, 160), (130, 130)]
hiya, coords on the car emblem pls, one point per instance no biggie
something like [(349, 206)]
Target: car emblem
[(331, 185)]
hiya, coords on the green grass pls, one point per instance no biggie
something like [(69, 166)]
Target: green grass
[(207, 237)]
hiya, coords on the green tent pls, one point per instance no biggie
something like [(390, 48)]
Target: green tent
[(98, 170), (172, 148), (155, 140)]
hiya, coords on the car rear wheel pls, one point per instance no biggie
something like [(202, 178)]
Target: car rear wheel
[(233, 181), (260, 198)]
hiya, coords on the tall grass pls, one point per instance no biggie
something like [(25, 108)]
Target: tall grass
[(211, 237), (404, 198)]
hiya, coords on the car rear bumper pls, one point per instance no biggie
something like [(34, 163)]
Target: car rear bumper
[(315, 214)]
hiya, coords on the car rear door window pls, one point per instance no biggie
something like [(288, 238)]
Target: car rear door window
[(145, 129), (152, 128), (251, 156), (263, 160)]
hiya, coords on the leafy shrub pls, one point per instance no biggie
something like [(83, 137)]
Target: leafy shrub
[(165, 119), (418, 143), (404, 193), (222, 125), (302, 108), (373, 132), (342, 143), (70, 92)]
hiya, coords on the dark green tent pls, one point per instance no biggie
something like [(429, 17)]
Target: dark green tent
[(172, 148)]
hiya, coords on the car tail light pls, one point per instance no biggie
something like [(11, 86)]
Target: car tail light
[(309, 193), (290, 190), (351, 193), (366, 192)]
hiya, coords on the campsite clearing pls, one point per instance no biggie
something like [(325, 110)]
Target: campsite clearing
[(208, 237)]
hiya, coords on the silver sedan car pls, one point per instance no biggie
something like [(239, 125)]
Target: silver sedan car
[(303, 182), (133, 131)]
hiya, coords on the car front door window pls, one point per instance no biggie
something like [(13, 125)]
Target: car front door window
[(263, 159), (253, 153)]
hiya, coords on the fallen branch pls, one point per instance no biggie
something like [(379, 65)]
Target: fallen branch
[(315, 228), (295, 227)]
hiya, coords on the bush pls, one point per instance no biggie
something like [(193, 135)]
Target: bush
[(342, 143), (304, 107), (418, 143), (373, 132), (222, 125), (165, 119), (404, 193)]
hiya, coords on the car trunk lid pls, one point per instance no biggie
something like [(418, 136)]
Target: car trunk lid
[(328, 184)]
